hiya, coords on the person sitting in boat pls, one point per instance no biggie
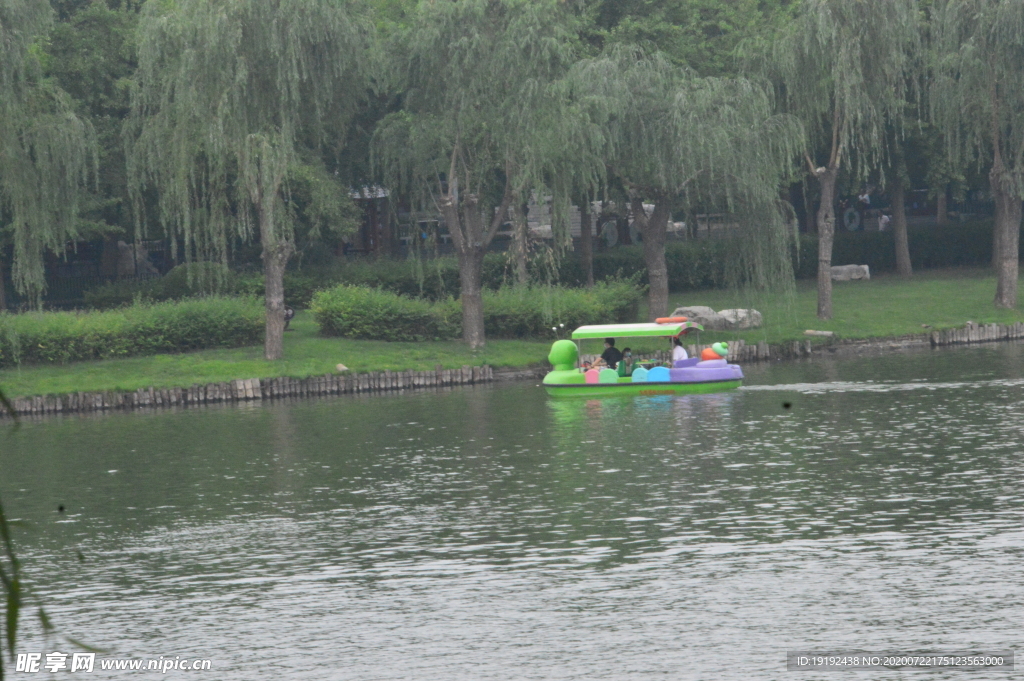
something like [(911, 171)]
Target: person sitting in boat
[(678, 351), (611, 355), (626, 364)]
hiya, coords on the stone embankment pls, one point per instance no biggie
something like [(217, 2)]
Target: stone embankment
[(250, 389), (978, 333), (340, 384)]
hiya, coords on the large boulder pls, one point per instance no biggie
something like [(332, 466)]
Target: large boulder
[(850, 272), (740, 319), (725, 320), (692, 311), (703, 315)]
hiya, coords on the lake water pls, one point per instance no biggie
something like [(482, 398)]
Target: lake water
[(493, 533)]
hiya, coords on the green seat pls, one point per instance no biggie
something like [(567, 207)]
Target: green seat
[(608, 376)]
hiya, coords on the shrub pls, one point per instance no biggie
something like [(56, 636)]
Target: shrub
[(361, 312), (184, 281), (137, 330), (517, 312), (694, 264), (952, 245), (511, 312)]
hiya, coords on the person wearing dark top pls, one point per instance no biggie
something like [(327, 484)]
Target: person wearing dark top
[(611, 354)]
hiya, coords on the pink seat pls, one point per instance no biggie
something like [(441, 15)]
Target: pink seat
[(592, 376)]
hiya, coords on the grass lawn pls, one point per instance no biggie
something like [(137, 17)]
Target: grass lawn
[(305, 352), (886, 306), (883, 307)]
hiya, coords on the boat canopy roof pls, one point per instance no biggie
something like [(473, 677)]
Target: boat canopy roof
[(633, 330)]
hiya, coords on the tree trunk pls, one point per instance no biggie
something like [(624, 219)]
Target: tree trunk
[(826, 231), (653, 230), (587, 243), (471, 262), (520, 245), (941, 210), (275, 257), (899, 228), (997, 234), (1007, 230)]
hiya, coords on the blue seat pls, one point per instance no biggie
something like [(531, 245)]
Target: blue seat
[(659, 374), (639, 375)]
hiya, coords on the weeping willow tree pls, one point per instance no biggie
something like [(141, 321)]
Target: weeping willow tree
[(477, 77), (225, 92), (674, 139), (46, 152), (843, 68), (978, 98), (572, 160)]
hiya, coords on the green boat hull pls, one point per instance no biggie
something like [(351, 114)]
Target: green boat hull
[(642, 389)]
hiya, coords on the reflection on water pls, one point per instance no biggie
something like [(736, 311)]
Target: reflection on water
[(493, 533)]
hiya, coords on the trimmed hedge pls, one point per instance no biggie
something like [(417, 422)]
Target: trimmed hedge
[(954, 245), (190, 280), (375, 314), (145, 329), (692, 265), (531, 311), (360, 312)]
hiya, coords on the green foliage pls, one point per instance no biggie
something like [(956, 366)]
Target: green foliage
[(434, 280), (886, 307), (692, 265), (224, 92), (696, 144), (931, 247), (977, 96), (531, 311), (367, 313), (475, 76), (844, 69), (512, 312), (700, 34), (307, 353), (189, 280), (46, 151), (138, 330), (10, 579), (91, 54), (481, 120), (321, 207)]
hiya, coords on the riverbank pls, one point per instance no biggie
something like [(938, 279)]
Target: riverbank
[(306, 354), (884, 312), (887, 306), (243, 390)]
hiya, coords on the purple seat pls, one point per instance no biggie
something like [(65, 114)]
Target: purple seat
[(697, 374), (683, 363)]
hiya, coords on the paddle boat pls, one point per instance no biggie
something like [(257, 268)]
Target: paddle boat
[(706, 374)]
